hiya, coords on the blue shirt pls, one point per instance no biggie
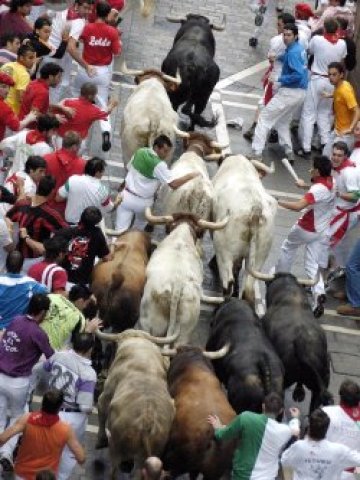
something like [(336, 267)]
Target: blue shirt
[(294, 73), (15, 293)]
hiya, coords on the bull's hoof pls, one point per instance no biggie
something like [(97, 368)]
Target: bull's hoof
[(102, 442), (299, 393)]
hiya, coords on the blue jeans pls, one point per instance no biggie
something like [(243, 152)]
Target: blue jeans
[(353, 276)]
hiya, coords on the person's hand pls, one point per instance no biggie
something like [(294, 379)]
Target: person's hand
[(214, 420), (294, 412), (326, 94), (32, 116), (300, 183), (68, 111), (90, 70), (20, 182), (23, 232), (271, 57), (65, 34), (113, 103), (61, 118), (347, 131), (93, 325)]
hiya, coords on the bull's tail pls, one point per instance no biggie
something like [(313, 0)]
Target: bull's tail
[(265, 373), (174, 304)]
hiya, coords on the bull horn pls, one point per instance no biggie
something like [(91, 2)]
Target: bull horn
[(218, 354), (215, 144), (213, 157), (309, 282), (126, 71), (220, 28), (180, 133), (163, 340), (171, 19), (265, 277), (156, 219), (261, 166), (213, 300), (213, 225), (169, 78), (169, 352), (108, 337)]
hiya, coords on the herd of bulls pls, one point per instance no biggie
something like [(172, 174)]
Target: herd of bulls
[(150, 299)]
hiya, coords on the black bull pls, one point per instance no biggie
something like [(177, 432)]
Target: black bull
[(192, 54)]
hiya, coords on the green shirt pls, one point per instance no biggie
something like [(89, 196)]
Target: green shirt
[(144, 161)]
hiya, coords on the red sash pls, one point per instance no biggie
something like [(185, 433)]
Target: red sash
[(340, 232), (268, 86)]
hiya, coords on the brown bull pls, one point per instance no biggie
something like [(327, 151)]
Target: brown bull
[(197, 393), (118, 284), (135, 405)]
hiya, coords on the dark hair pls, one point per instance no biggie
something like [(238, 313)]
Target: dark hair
[(273, 403), (83, 342), (15, 4), (81, 2), (41, 22), (286, 17), (70, 139), (34, 162), (94, 166), (292, 27), (14, 262), (24, 49), (50, 68), (8, 38), (47, 122), (90, 217), (87, 89), (342, 3), (45, 475), (338, 66), (102, 9), (162, 140), (54, 246), (52, 401), (349, 392), (341, 146), (38, 303), (343, 22), (323, 164), (46, 185), (331, 25), (319, 423), (79, 291)]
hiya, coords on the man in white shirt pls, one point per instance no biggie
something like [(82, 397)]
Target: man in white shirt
[(82, 191), (317, 108), (147, 170), (355, 154), (6, 242), (315, 458), (345, 420)]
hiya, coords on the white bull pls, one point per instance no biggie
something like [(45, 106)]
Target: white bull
[(174, 277), (240, 193), (148, 112)]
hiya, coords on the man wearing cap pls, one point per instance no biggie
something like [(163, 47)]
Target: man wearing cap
[(302, 14)]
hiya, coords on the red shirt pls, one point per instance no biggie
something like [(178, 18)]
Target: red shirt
[(49, 274), (101, 42), (36, 96), (85, 114), (7, 119)]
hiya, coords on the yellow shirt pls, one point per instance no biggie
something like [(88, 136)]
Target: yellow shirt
[(21, 78), (344, 103)]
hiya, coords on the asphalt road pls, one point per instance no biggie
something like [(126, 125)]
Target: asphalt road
[(146, 43)]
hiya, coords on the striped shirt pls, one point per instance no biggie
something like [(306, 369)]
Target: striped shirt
[(6, 56)]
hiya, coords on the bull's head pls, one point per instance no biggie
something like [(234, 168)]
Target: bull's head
[(200, 19), (169, 82), (267, 277), (197, 225), (209, 149)]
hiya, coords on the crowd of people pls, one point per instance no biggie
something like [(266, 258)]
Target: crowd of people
[(53, 202)]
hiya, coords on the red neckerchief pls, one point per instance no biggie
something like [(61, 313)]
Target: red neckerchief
[(331, 37), (34, 136), (43, 419), (346, 163), (72, 14), (328, 182), (357, 144), (353, 412), (341, 33)]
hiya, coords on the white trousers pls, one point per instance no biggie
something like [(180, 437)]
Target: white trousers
[(342, 249), (316, 254), (316, 109), (334, 137), (13, 400), (278, 113), (101, 79), (131, 207), (78, 421)]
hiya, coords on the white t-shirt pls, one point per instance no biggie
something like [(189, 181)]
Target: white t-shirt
[(347, 180), (146, 187), (82, 191), (5, 240), (325, 52), (321, 460), (343, 429), (60, 22), (29, 184), (318, 215), (355, 156)]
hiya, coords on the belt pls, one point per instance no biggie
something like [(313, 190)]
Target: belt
[(70, 410), (325, 75), (136, 195)]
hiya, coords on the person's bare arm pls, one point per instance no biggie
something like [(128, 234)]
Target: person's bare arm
[(15, 429), (74, 52), (355, 119), (36, 247), (294, 206), (59, 198), (177, 182), (76, 447)]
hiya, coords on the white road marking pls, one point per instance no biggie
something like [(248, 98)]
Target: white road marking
[(222, 84), (221, 130), (336, 329), (245, 106), (115, 164), (240, 94)]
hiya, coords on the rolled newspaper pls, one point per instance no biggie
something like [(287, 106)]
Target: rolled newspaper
[(289, 168)]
